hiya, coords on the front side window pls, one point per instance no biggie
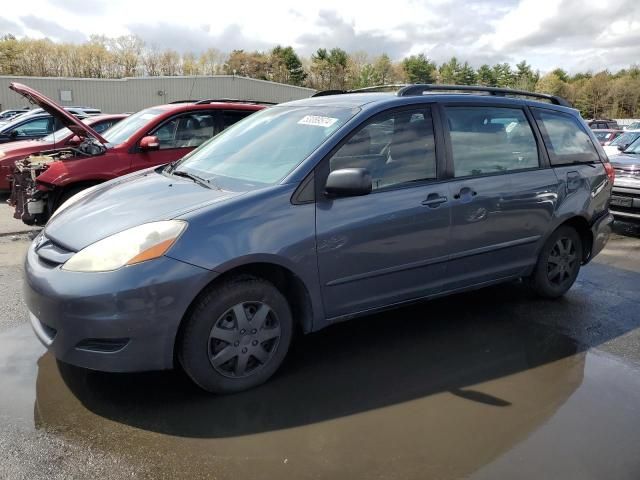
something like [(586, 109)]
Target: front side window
[(566, 142), (486, 140), (396, 148), (186, 131), (37, 127)]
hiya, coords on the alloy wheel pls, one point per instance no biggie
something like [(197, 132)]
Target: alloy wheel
[(562, 261)]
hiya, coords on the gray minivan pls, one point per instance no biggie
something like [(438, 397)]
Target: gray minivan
[(312, 212)]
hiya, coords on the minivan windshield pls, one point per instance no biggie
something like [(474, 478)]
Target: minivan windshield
[(122, 131), (266, 146)]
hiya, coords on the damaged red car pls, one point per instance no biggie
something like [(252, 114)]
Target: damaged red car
[(11, 152), (155, 136)]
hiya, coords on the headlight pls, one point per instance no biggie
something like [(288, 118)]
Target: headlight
[(138, 244)]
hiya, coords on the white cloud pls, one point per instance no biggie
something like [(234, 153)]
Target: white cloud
[(572, 34)]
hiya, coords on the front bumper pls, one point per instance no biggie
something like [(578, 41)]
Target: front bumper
[(625, 198), (120, 321)]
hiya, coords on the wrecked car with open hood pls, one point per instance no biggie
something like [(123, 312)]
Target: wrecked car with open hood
[(155, 136)]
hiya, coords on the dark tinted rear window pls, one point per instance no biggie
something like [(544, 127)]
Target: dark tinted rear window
[(564, 137)]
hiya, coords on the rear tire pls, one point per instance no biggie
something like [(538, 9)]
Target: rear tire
[(236, 336), (558, 263)]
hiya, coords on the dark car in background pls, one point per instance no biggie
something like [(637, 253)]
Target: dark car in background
[(603, 124), (12, 152), (625, 199), (150, 137), (313, 212), (605, 137)]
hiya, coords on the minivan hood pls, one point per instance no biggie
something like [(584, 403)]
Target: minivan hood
[(68, 120), (141, 197)]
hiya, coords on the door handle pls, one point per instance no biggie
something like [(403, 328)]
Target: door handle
[(434, 200), (465, 191)]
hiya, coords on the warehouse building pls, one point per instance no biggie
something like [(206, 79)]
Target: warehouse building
[(136, 93)]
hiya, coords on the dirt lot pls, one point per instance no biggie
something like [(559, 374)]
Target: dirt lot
[(491, 384)]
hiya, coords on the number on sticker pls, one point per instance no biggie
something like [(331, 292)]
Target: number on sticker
[(317, 121)]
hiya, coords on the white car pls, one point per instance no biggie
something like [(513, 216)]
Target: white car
[(622, 142)]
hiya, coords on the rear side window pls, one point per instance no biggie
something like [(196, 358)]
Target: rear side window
[(565, 139), (487, 140)]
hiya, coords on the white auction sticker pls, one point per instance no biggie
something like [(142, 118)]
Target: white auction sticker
[(317, 121)]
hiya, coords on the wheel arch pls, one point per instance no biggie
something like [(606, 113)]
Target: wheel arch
[(61, 190), (581, 225), (284, 279)]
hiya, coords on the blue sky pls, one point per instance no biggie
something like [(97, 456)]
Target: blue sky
[(576, 35)]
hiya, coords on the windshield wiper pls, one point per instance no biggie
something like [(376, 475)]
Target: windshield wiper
[(195, 178)]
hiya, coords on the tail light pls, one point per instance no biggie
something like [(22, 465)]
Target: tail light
[(611, 173)]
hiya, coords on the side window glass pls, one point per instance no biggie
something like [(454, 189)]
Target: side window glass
[(397, 148), (229, 117), (488, 140), (565, 140), (101, 127), (40, 126), (194, 129), (166, 134)]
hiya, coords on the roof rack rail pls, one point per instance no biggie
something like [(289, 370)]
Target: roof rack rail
[(376, 88), (407, 90), (232, 100), (182, 101), (419, 89)]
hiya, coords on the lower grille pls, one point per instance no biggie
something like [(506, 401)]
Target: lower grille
[(102, 345)]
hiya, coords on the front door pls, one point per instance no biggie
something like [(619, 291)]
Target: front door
[(388, 246), (502, 198), (177, 136)]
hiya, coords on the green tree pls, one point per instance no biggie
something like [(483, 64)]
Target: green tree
[(382, 69), (467, 75), (503, 75), (450, 72), (486, 76), (286, 66), (419, 69), (329, 69), (524, 77)]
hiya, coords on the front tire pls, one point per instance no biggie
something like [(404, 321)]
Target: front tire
[(558, 263), (236, 336)]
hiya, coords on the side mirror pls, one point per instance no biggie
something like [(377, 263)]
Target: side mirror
[(75, 140), (150, 142), (348, 182), (622, 148)]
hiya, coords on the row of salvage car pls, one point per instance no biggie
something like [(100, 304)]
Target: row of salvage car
[(42, 174)]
